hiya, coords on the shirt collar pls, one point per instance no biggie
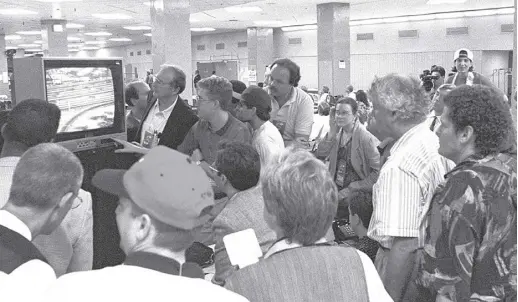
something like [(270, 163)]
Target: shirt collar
[(9, 161), (168, 109), (291, 99), (13, 223), (403, 140), (225, 127), (154, 262), (283, 244)]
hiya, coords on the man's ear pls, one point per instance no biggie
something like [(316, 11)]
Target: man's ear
[(254, 110), (4, 131), (466, 135), (144, 227)]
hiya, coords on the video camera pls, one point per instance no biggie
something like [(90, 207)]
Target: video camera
[(428, 79)]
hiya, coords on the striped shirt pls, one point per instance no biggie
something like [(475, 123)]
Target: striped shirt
[(406, 184)]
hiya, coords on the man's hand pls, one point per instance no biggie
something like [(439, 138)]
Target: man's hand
[(132, 147), (344, 193), (196, 155)]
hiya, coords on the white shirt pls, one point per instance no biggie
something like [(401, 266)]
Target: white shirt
[(295, 116), (405, 186), (267, 141), (375, 288), (133, 283), (156, 119), (38, 274)]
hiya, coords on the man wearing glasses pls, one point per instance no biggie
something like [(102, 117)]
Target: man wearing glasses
[(168, 118)]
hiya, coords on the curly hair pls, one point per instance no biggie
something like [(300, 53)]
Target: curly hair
[(219, 89), (240, 163), (483, 108), (402, 95), (292, 67)]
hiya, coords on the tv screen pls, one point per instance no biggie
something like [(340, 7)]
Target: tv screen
[(85, 96)]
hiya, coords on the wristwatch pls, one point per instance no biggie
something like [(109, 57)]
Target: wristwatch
[(198, 162)]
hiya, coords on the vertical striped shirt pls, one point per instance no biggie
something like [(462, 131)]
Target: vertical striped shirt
[(406, 184)]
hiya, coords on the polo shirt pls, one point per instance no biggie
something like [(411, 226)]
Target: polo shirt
[(202, 137), (295, 116)]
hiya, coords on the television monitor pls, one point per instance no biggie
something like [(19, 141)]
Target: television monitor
[(89, 93)]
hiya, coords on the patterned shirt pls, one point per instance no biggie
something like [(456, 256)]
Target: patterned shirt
[(407, 181), (470, 248), (367, 245)]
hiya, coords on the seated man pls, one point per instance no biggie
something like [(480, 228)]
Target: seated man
[(70, 247), (45, 184), (238, 173), (163, 200)]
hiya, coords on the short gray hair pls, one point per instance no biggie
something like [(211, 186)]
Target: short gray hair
[(179, 78), (219, 89), (403, 95), (300, 192), (44, 174)]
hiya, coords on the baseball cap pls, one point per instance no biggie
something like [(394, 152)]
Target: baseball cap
[(237, 88), (166, 184), (463, 53), (255, 96)]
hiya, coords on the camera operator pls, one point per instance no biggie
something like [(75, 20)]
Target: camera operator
[(464, 74), (432, 79)]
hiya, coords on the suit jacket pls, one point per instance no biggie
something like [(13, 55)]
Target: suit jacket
[(365, 157), (180, 121), (243, 211)]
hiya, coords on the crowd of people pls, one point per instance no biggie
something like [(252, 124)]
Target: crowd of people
[(407, 197)]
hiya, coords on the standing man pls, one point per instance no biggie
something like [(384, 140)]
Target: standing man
[(136, 96), (254, 108), (406, 182), (197, 77), (470, 244), (168, 118), (438, 106), (292, 108), (464, 74)]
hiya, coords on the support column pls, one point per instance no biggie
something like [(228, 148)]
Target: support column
[(515, 64), (171, 37), (4, 77), (54, 37), (260, 53), (333, 36)]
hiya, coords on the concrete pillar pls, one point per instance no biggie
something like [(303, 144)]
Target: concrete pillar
[(4, 84), (333, 36), (260, 53), (54, 37), (515, 64), (171, 37)]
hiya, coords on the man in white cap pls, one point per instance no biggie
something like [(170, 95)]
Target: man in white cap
[(164, 199), (464, 74)]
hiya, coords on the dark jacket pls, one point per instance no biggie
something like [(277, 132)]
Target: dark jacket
[(180, 121)]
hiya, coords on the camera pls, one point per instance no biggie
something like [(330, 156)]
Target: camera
[(428, 79)]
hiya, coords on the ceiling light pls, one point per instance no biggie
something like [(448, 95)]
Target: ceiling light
[(74, 45), (16, 11), (115, 16), (300, 27), (73, 39), (95, 42), (28, 45), (432, 2), (198, 29), (34, 49), (74, 50), (38, 42), (13, 37), (29, 32), (193, 20), (91, 48), (98, 34), (147, 35), (243, 9), (120, 39), (395, 19), (505, 11), (55, 1), (268, 23), (137, 27), (450, 15), (10, 47), (156, 4), (74, 25)]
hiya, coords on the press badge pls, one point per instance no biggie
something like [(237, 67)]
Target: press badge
[(150, 139), (340, 173)]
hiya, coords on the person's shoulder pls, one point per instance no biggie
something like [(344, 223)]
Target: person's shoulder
[(449, 80), (302, 97)]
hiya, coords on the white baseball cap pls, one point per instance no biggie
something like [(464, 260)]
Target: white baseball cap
[(463, 53)]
